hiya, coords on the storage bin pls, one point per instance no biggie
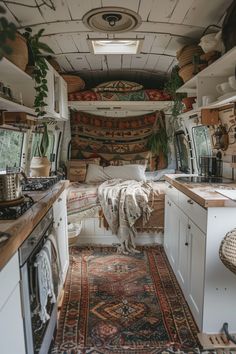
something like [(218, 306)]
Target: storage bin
[(74, 229)]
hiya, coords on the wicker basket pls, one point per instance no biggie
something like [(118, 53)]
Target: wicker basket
[(19, 55), (185, 55), (73, 232), (227, 251), (188, 71), (54, 64), (74, 83)]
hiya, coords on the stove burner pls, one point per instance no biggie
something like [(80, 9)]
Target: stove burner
[(15, 211), (39, 183)]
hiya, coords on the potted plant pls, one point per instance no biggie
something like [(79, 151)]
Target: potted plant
[(157, 142), (38, 67), (12, 44), (40, 165)]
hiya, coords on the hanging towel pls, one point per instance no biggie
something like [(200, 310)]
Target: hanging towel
[(45, 283), (55, 255)]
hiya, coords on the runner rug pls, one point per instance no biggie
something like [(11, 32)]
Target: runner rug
[(119, 304)]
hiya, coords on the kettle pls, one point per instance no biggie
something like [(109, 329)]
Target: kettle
[(10, 185)]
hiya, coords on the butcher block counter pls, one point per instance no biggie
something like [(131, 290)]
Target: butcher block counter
[(204, 194), (20, 228)]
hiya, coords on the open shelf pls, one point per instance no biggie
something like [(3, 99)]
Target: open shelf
[(223, 67), (13, 75), (11, 106)]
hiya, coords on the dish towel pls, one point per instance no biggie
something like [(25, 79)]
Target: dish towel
[(45, 283)]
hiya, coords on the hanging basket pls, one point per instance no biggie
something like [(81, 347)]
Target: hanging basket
[(74, 83), (186, 54), (188, 71), (227, 251), (19, 55)]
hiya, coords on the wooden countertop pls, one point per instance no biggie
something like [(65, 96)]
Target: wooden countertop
[(203, 194), (20, 228)]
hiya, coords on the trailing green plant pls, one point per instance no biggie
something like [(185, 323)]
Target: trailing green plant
[(171, 87), (158, 141), (7, 31), (42, 148), (37, 50)]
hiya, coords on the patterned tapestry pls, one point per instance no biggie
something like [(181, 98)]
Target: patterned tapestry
[(141, 95), (114, 139)]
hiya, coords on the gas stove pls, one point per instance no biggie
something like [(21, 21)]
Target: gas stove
[(39, 183), (13, 211)]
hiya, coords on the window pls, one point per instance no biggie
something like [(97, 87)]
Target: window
[(36, 142), (182, 152), (202, 141), (11, 142)]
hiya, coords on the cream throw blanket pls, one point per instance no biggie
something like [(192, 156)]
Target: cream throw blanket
[(124, 202)]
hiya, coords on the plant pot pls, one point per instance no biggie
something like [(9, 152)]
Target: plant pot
[(188, 103), (19, 55), (40, 167)]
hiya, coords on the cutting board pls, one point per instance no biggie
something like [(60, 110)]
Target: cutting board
[(229, 193)]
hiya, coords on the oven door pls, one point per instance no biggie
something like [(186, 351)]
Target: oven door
[(38, 335)]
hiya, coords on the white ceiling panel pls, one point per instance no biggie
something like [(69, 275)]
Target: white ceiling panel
[(163, 63), (126, 61), (64, 63), (78, 8), (180, 11), (52, 43), (60, 13), (151, 62), (114, 62), (138, 61), (145, 9), (162, 10), (160, 43), (130, 4), (26, 15), (203, 13), (66, 43), (78, 61), (80, 40)]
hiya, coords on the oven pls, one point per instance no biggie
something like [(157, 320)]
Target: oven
[(39, 329)]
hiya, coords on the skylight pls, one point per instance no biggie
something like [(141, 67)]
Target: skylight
[(116, 46)]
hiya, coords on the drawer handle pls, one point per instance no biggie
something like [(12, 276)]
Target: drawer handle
[(190, 201), (59, 199), (170, 186), (186, 243)]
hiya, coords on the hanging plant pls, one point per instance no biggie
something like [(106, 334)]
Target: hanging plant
[(37, 61), (42, 148), (7, 31), (158, 141)]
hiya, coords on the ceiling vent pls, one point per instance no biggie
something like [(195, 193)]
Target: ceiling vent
[(112, 20)]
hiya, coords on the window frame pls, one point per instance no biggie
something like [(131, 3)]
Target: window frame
[(195, 144), (9, 128)]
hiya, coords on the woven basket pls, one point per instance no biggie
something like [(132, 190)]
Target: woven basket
[(185, 55), (188, 71), (54, 64), (74, 83), (19, 55), (227, 251)]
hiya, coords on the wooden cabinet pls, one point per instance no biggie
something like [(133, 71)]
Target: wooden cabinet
[(171, 232), (11, 321), (192, 239), (60, 226)]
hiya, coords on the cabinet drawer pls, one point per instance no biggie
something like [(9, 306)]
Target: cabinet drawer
[(194, 211), (9, 277), (172, 193)]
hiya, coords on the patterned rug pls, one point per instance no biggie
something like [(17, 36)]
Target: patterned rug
[(123, 304)]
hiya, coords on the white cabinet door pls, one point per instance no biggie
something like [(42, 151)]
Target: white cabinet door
[(49, 100), (183, 254), (11, 325), (171, 232), (60, 226), (196, 246), (63, 99)]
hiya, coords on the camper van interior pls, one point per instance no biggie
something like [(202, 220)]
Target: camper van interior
[(117, 176)]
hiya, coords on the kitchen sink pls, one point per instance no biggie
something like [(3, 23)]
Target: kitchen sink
[(203, 179)]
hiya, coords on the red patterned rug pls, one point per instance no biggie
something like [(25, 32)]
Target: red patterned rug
[(123, 304)]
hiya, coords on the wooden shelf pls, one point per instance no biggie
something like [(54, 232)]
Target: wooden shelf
[(13, 75), (223, 67), (11, 106)]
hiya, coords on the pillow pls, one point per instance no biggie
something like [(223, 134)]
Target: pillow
[(97, 174), (77, 168), (128, 162), (158, 175), (118, 86)]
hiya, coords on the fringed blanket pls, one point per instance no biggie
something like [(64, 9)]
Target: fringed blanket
[(123, 203)]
